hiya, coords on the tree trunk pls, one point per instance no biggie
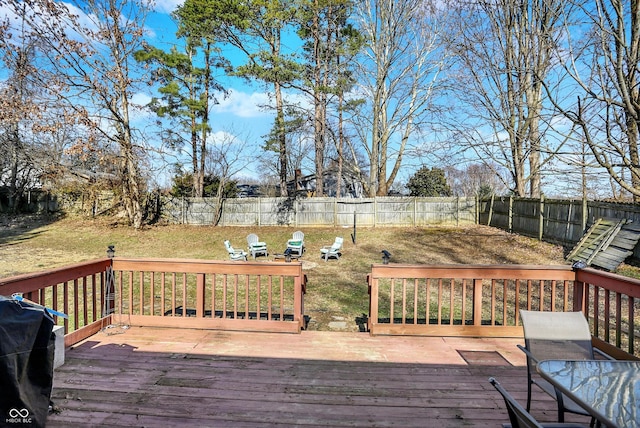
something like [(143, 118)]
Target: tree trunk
[(282, 139)]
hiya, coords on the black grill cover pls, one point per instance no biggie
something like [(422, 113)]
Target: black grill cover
[(26, 364)]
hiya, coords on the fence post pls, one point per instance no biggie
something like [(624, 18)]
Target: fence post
[(493, 195), (375, 211), (510, 214), (585, 213), (541, 220), (182, 213)]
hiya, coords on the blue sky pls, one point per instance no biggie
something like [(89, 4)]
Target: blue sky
[(239, 113)]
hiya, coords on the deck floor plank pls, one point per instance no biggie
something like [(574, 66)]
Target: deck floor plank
[(152, 377)]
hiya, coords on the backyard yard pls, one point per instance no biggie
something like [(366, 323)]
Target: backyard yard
[(336, 296)]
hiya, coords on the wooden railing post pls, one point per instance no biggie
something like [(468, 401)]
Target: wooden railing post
[(477, 302), (578, 295), (298, 298), (109, 303), (200, 295), (373, 301)]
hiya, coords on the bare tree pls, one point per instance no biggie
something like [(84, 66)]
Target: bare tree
[(226, 157), (18, 108), (604, 63), (86, 60), (476, 179), (504, 50), (397, 76)]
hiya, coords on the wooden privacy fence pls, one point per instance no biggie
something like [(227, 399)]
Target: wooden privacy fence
[(560, 221), (368, 212), (263, 296), (483, 300)]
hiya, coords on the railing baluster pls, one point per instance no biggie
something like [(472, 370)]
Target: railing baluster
[(607, 316), (76, 312), (66, 306), (281, 298), (463, 309), (451, 299), (392, 299), (258, 293), (246, 297), (270, 298), (439, 301), (415, 300), (235, 297), (85, 309), (618, 320), (152, 294), (404, 301), (632, 326)]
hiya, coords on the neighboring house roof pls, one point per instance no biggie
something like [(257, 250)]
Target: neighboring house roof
[(351, 185)]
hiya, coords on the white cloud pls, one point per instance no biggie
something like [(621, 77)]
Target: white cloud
[(243, 104), (167, 6)]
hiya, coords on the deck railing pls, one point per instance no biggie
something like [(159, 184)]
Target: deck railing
[(78, 291), (210, 294), (445, 300), (168, 292), (483, 300)]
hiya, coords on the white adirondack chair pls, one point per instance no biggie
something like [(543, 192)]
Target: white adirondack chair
[(296, 244), (333, 250), (235, 255), (255, 246)]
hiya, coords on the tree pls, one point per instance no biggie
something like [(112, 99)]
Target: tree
[(186, 96), (327, 39), (397, 74), (183, 186), (477, 179), (227, 158), (504, 50), (429, 182), (18, 111), (88, 65), (255, 28), (604, 65)]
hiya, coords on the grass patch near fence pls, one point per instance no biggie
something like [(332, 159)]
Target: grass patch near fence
[(337, 289)]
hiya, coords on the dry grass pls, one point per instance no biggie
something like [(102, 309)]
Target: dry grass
[(337, 289)]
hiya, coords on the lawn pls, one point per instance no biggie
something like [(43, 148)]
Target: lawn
[(337, 289)]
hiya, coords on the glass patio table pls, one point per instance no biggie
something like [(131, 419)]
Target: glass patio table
[(608, 390)]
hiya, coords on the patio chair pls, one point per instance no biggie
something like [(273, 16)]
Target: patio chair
[(555, 336), (333, 250), (296, 244), (521, 418), (255, 246), (235, 255)]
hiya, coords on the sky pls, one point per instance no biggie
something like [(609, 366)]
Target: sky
[(239, 113)]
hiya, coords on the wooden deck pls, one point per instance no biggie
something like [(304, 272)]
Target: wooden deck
[(164, 377)]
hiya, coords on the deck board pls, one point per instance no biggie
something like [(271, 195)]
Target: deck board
[(173, 377)]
